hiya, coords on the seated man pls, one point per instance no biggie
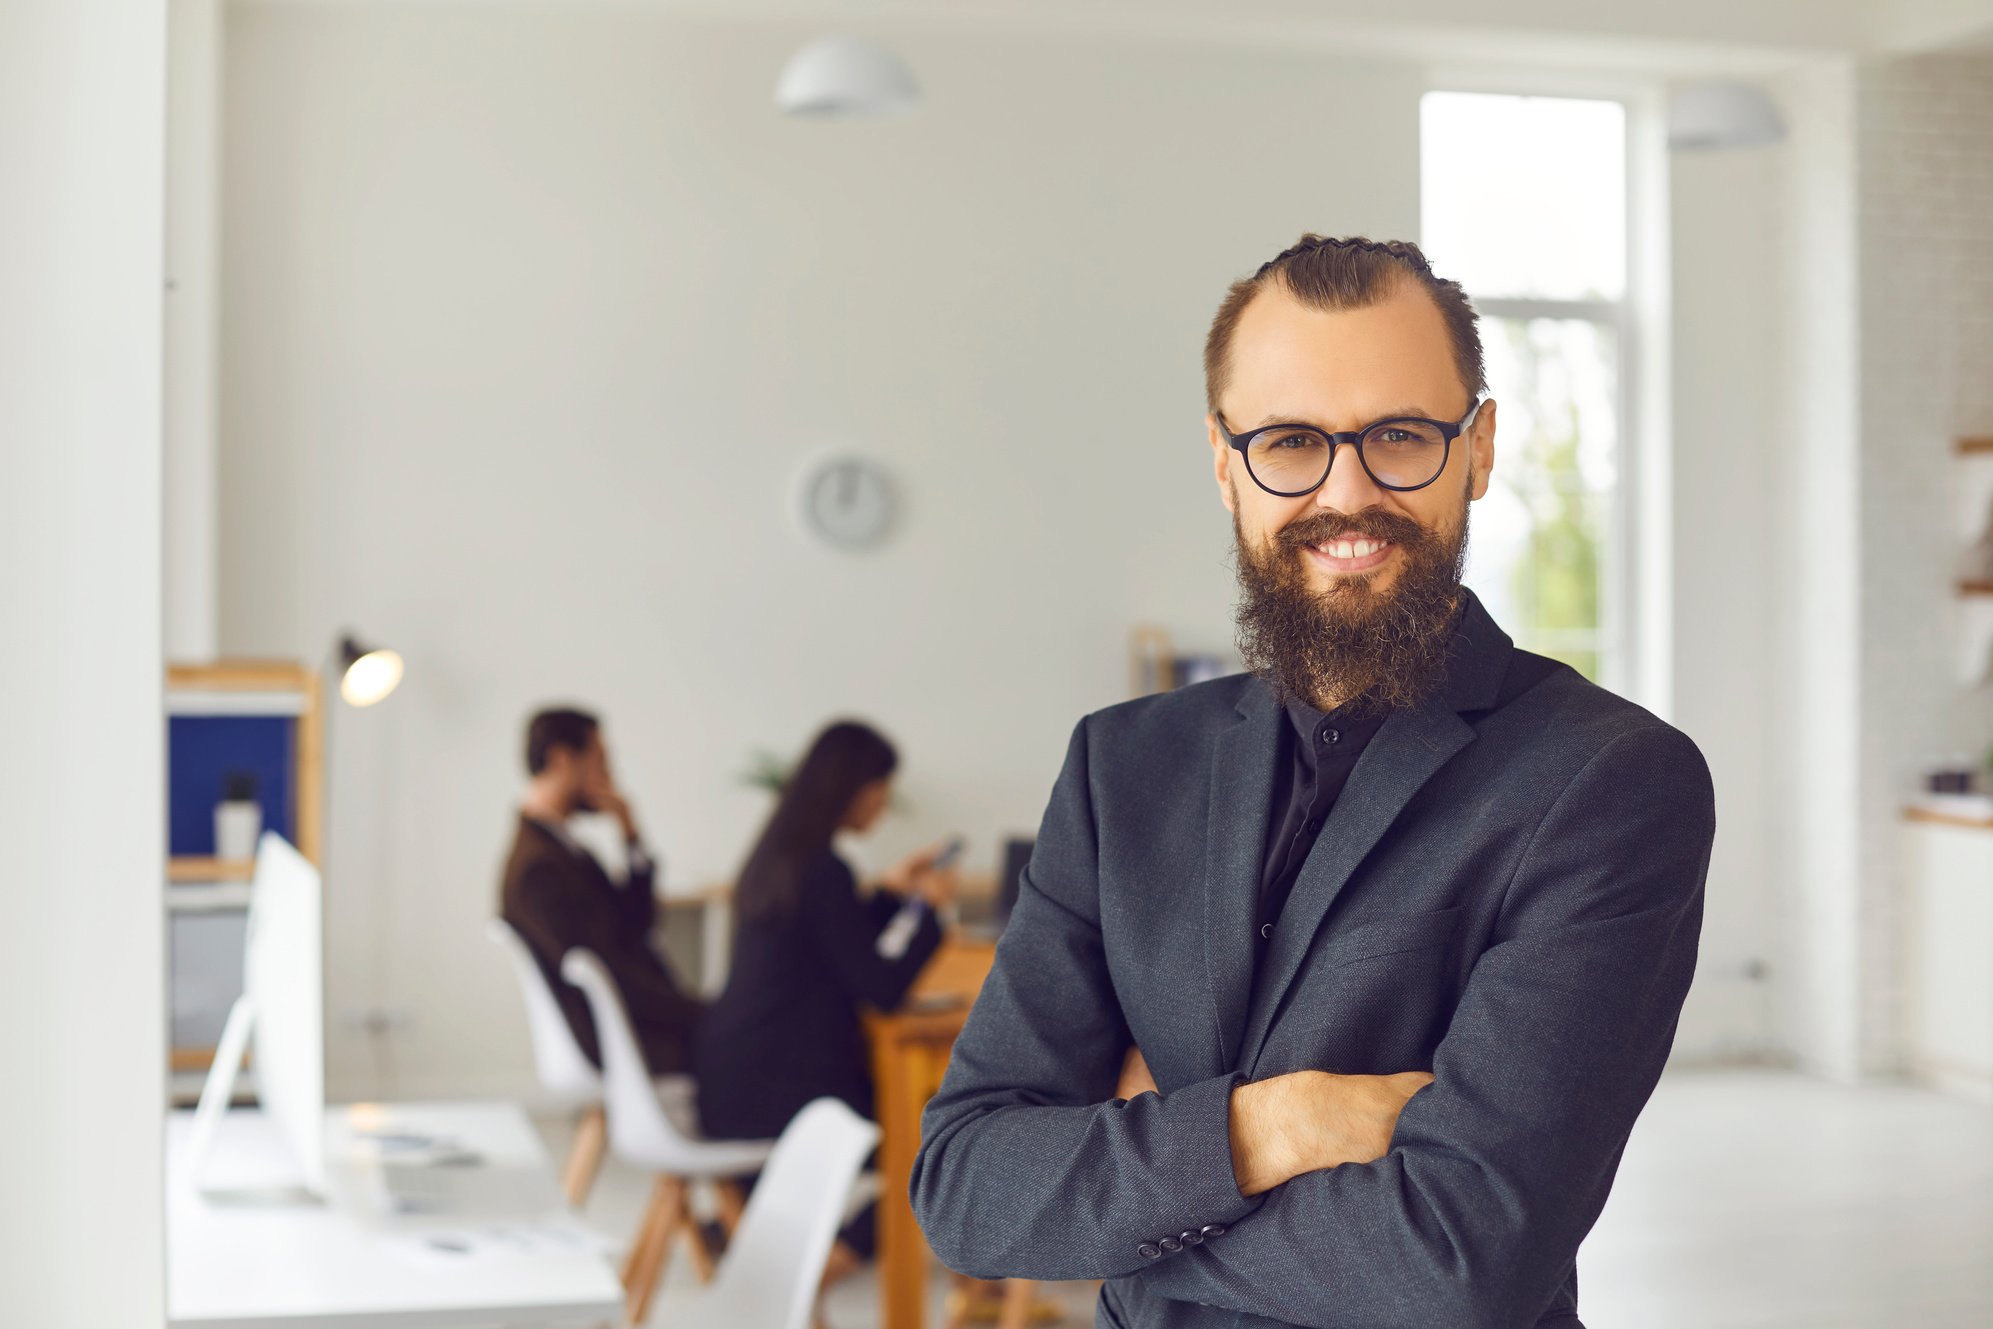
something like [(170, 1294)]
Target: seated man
[(556, 896)]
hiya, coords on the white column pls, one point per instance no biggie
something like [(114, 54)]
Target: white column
[(1818, 508), (82, 1039)]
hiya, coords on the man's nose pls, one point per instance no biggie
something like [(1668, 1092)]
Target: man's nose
[(1349, 487)]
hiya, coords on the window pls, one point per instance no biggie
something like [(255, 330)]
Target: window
[(1524, 202)]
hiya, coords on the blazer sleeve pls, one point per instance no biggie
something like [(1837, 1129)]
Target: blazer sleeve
[(1500, 1167), (553, 920), (1028, 1168), (845, 933)]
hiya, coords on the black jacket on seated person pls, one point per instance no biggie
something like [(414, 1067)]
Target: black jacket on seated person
[(787, 1030), (556, 896)]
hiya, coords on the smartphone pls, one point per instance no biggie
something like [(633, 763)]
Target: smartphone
[(949, 853)]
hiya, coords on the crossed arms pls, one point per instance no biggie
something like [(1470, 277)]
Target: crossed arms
[(1032, 1167)]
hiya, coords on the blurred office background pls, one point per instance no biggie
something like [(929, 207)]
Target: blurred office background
[(513, 335)]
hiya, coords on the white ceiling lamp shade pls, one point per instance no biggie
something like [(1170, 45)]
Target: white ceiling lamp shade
[(846, 78), (1718, 114)]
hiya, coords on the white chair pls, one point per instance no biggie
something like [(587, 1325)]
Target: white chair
[(659, 1136), (566, 1075), (769, 1277)]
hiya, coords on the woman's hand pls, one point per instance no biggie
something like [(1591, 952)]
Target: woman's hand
[(916, 875)]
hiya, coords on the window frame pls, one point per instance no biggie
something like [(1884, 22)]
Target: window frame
[(1635, 620)]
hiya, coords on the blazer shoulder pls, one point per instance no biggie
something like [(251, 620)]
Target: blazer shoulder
[(1171, 716), (1586, 719)]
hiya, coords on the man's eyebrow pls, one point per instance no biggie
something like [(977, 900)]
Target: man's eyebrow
[(1402, 412)]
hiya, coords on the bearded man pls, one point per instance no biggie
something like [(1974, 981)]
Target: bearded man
[(1334, 988)]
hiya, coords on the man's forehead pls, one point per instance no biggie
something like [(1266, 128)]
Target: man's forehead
[(1289, 361)]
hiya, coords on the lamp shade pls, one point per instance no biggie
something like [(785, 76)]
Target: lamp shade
[(366, 673), (1716, 114), (846, 78)]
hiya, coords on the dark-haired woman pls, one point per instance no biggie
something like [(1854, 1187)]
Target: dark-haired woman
[(810, 951)]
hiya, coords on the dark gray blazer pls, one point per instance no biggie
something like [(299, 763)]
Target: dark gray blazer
[(1507, 895)]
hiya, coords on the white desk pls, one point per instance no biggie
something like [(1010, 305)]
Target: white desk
[(506, 1252)]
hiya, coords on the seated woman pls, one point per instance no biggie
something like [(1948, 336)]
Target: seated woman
[(808, 952)]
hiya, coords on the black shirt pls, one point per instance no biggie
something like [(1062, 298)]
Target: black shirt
[(1317, 753)]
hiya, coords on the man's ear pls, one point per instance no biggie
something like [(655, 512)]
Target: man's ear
[(1221, 463), (1482, 442)]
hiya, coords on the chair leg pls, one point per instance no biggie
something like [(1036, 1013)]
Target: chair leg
[(732, 1204), (584, 1157), (1019, 1294), (652, 1246), (695, 1240)]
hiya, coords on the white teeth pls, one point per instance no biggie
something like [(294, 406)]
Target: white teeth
[(1351, 548)]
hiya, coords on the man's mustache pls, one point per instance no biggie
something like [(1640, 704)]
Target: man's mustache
[(1393, 527)]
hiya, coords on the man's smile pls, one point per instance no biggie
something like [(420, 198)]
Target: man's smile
[(1350, 554)]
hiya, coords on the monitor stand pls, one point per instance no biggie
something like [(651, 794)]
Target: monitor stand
[(216, 1092)]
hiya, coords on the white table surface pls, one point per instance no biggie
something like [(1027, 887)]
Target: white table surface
[(504, 1251)]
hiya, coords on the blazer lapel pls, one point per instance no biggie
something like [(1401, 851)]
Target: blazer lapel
[(1406, 752), (1235, 838)]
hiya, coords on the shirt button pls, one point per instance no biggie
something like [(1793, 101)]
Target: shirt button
[(1266, 930), (1213, 1230), (1170, 1244), (1331, 735), (1191, 1238), (1148, 1250)]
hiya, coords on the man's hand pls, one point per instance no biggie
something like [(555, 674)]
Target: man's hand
[(1135, 1077), (599, 789), (1311, 1120)]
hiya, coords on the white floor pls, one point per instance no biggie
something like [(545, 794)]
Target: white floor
[(1747, 1200)]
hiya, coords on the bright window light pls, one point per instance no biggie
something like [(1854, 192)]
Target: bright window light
[(1525, 196), (1524, 203)]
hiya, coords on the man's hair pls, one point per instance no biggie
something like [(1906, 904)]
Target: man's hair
[(1346, 274), (557, 727)]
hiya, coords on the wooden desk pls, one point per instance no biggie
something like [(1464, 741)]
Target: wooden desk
[(909, 1054)]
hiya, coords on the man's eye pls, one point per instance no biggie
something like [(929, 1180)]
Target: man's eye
[(1393, 436)]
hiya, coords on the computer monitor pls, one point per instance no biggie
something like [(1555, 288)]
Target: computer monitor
[(281, 1012)]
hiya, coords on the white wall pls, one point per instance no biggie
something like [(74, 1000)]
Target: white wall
[(530, 318), (193, 123), (81, 130), (1925, 193)]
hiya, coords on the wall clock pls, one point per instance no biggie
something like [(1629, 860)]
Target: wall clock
[(848, 502)]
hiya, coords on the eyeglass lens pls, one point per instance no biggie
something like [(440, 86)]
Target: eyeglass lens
[(1402, 453)]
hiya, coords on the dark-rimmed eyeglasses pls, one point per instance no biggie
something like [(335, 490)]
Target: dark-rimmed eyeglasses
[(1403, 452)]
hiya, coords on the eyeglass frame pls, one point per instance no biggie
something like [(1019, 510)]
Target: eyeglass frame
[(1354, 438)]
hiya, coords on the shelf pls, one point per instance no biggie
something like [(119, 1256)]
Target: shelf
[(190, 1059), (241, 676), (1975, 587), (194, 868), (208, 897), (1975, 445), (1934, 817)]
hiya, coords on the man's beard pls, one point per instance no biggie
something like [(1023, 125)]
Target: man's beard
[(1351, 643)]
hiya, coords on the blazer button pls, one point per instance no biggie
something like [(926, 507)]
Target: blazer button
[(1148, 1250), (1191, 1238), (1213, 1230), (1170, 1244)]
